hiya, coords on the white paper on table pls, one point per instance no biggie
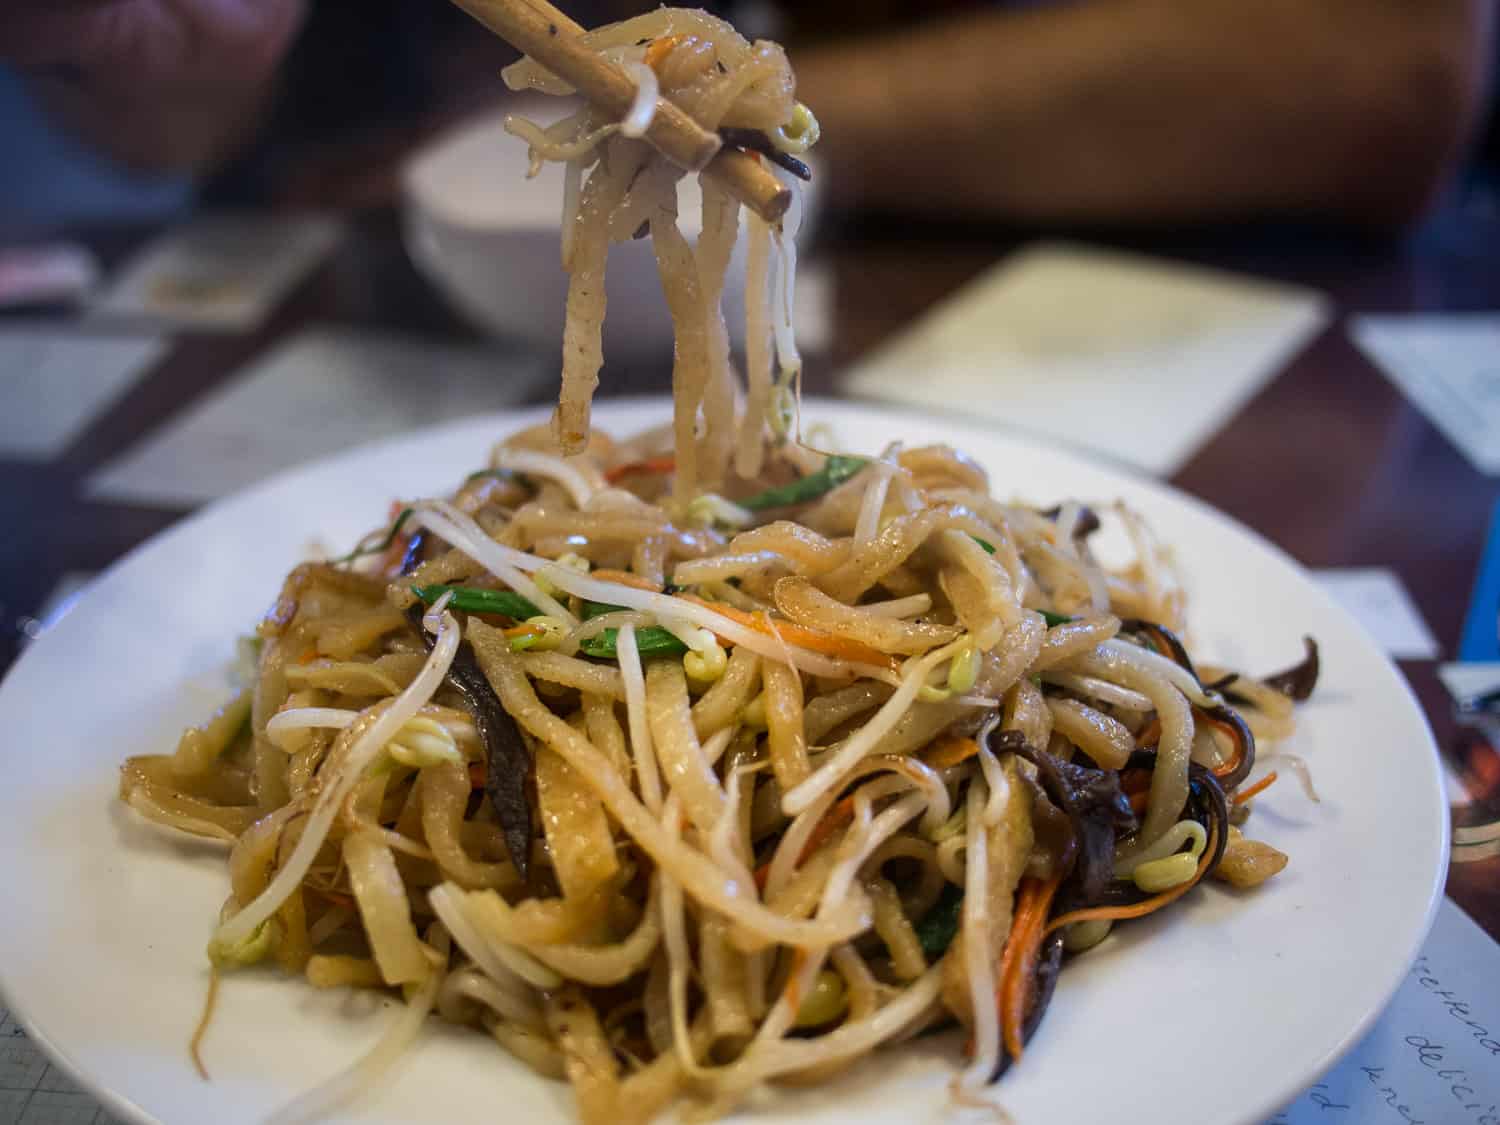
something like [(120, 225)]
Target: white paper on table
[(53, 271), (55, 381), (321, 391), (1378, 600), (1433, 1057), (1449, 366), (1466, 681), (218, 272), (1137, 358)]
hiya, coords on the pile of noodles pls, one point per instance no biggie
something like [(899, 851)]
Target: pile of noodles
[(698, 761)]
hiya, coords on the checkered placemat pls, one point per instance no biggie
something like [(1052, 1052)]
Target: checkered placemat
[(35, 1092)]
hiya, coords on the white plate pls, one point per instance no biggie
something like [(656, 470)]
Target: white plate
[(1218, 1012)]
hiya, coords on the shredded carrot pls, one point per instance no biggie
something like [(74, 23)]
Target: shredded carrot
[(524, 630), (338, 898), (397, 549), (950, 752), (1011, 953), (1151, 735), (394, 554), (660, 48), (1018, 961), (1259, 787), (308, 656), (649, 467), (1226, 768), (800, 635), (625, 578), (1136, 785), (834, 819), (1159, 644), (793, 993), (1145, 906)]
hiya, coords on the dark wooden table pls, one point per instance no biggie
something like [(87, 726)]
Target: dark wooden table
[(1330, 461)]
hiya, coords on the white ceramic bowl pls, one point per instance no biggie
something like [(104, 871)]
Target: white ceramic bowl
[(488, 239)]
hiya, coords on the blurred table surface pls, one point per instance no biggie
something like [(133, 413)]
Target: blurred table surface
[(1329, 461)]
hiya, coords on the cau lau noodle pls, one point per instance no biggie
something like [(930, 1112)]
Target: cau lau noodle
[(703, 759)]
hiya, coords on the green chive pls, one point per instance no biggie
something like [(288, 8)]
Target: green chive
[(835, 471), (470, 599), (939, 925), (597, 609), (651, 641)]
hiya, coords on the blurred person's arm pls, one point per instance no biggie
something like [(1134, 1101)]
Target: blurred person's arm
[(154, 84), (1155, 110)]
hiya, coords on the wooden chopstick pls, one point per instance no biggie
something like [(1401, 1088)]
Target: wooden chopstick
[(541, 31), (751, 183)]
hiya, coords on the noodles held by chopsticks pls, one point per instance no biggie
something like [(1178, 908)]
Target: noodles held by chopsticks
[(619, 185)]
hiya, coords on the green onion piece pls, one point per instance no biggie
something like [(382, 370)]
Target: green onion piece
[(597, 609), (835, 471), (989, 548), (650, 641), (379, 547), (939, 926), (470, 599)]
